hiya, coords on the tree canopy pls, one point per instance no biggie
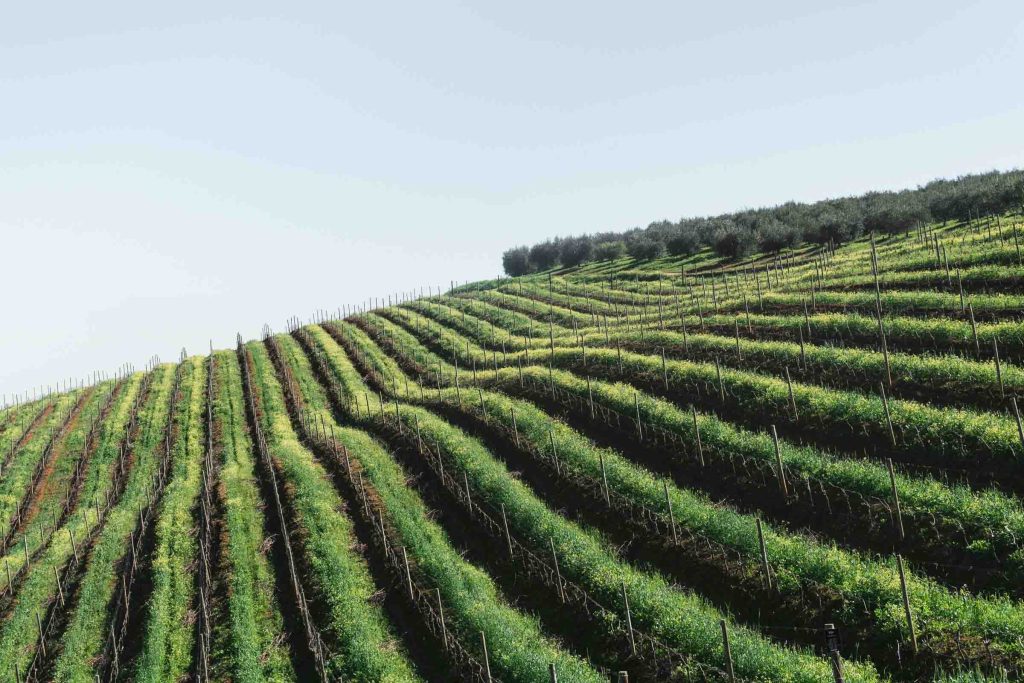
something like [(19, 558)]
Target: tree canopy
[(737, 234)]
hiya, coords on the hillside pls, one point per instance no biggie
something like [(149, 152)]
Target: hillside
[(682, 468)]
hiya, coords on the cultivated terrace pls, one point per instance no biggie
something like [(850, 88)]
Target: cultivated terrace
[(802, 465)]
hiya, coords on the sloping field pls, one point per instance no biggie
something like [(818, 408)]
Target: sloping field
[(680, 469)]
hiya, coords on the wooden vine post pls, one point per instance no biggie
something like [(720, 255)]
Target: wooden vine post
[(696, 431), (960, 286), (604, 480), (895, 499), (487, 659), (999, 370), (440, 613), (906, 604), (558, 572), (888, 414), (792, 398), (1016, 415), (778, 463), (803, 359), (764, 555), (629, 619), (639, 426), (727, 651), (974, 329), (832, 647), (721, 384), (508, 536), (671, 514)]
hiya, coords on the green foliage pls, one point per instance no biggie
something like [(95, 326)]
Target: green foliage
[(17, 476), (800, 561), (88, 624), (518, 648), (167, 643), (679, 618), (362, 645), (38, 589), (246, 647)]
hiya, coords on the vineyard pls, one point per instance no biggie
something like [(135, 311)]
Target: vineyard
[(801, 466)]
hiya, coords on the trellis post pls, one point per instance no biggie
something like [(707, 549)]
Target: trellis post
[(974, 329), (895, 498), (408, 574), (508, 536), (888, 414), (906, 604), (604, 480), (778, 462), (629, 619), (792, 399), (558, 572), (999, 369), (1016, 415), (487, 661), (764, 554), (671, 514), (440, 613), (639, 427), (696, 431), (727, 651)]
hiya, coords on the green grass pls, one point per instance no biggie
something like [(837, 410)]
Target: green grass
[(940, 435), (17, 477), (49, 499), (88, 624), (246, 644), (679, 618), (362, 645), (518, 648), (865, 583), (16, 420), (38, 589), (993, 519), (901, 331), (944, 378), (169, 632)]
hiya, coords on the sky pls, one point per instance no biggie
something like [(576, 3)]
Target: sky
[(173, 174)]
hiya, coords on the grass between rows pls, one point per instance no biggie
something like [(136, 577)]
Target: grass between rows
[(682, 619), (247, 643), (169, 631), (18, 474), (950, 379), (361, 643), (88, 625), (872, 585), (38, 589), (518, 649), (995, 520)]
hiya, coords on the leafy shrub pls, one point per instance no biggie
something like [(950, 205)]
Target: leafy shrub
[(734, 242), (576, 250), (683, 243), (774, 235), (544, 255), (609, 251), (516, 261), (644, 248)]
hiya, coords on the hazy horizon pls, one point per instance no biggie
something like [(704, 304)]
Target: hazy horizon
[(174, 175)]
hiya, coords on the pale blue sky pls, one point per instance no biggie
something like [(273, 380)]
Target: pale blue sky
[(175, 173)]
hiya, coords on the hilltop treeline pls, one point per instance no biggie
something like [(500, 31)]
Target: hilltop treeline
[(787, 225)]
